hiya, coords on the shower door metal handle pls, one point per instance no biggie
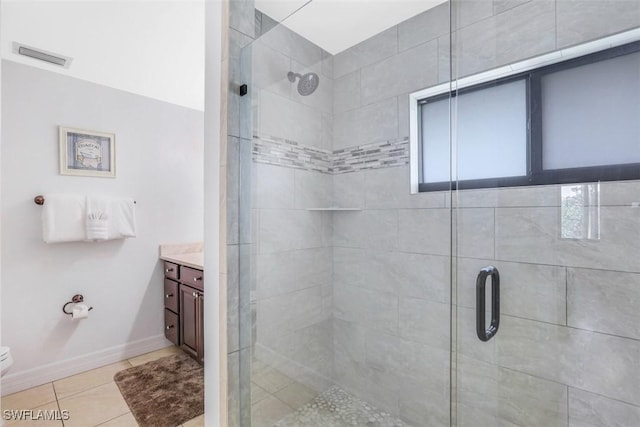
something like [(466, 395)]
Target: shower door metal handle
[(484, 333)]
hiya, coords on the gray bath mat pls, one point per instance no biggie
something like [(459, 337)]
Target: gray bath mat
[(163, 393)]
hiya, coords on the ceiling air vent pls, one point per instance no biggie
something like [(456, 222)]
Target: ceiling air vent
[(50, 57)]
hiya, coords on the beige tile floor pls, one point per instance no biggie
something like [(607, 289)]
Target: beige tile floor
[(92, 398), (274, 395)]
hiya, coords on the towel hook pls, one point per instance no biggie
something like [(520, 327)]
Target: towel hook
[(77, 298)]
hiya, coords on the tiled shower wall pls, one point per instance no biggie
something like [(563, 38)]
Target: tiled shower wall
[(362, 297), (392, 259), (292, 286)]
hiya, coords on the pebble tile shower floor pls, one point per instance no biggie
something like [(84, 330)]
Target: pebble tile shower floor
[(337, 408)]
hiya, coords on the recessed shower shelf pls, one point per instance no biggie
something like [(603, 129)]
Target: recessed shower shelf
[(334, 209)]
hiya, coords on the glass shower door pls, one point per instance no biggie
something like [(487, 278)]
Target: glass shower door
[(546, 226), (346, 276)]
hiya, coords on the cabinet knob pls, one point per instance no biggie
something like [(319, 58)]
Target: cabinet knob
[(195, 295), (169, 327), (168, 295), (168, 270), (195, 279)]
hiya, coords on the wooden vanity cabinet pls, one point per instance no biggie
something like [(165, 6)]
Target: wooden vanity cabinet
[(184, 308)]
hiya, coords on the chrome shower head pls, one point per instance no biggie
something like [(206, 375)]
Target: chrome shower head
[(308, 82)]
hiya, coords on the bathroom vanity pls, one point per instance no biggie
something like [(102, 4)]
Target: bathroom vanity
[(184, 301)]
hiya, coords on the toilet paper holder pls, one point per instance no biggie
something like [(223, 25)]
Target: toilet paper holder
[(77, 298)]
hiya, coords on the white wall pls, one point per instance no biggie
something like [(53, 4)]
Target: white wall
[(153, 48), (0, 199), (159, 152), (215, 379)]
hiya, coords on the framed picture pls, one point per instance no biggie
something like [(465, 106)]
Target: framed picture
[(87, 153)]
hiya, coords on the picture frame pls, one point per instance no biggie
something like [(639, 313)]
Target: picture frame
[(87, 153)]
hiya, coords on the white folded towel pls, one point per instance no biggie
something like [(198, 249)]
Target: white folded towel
[(110, 218), (75, 218), (97, 223), (63, 218), (123, 214)]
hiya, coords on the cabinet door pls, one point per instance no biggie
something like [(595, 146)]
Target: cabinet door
[(200, 329), (171, 295), (171, 326), (192, 277), (189, 325), (171, 270)]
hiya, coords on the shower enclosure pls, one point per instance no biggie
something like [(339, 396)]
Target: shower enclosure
[(438, 224)]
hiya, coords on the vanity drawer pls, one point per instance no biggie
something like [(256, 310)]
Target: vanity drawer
[(171, 326), (171, 295), (192, 277), (171, 270)]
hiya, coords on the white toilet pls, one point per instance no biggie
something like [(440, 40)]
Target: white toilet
[(5, 360)]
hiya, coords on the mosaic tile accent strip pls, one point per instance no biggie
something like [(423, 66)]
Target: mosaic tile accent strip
[(337, 408), (371, 156), (282, 152)]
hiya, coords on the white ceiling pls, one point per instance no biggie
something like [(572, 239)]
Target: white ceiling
[(336, 25), (148, 47), (280, 9)]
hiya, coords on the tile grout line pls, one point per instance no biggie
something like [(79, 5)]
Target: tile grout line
[(85, 390), (117, 416), (57, 400), (568, 407), (566, 296)]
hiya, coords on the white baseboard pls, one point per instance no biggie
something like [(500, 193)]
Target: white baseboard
[(22, 380)]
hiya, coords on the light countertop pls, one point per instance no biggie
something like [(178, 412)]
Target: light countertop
[(190, 254), (193, 260)]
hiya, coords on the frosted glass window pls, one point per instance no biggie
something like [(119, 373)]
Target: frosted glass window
[(591, 114), (489, 134), (573, 121), (435, 141)]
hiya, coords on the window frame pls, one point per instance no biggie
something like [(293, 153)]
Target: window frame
[(532, 71)]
